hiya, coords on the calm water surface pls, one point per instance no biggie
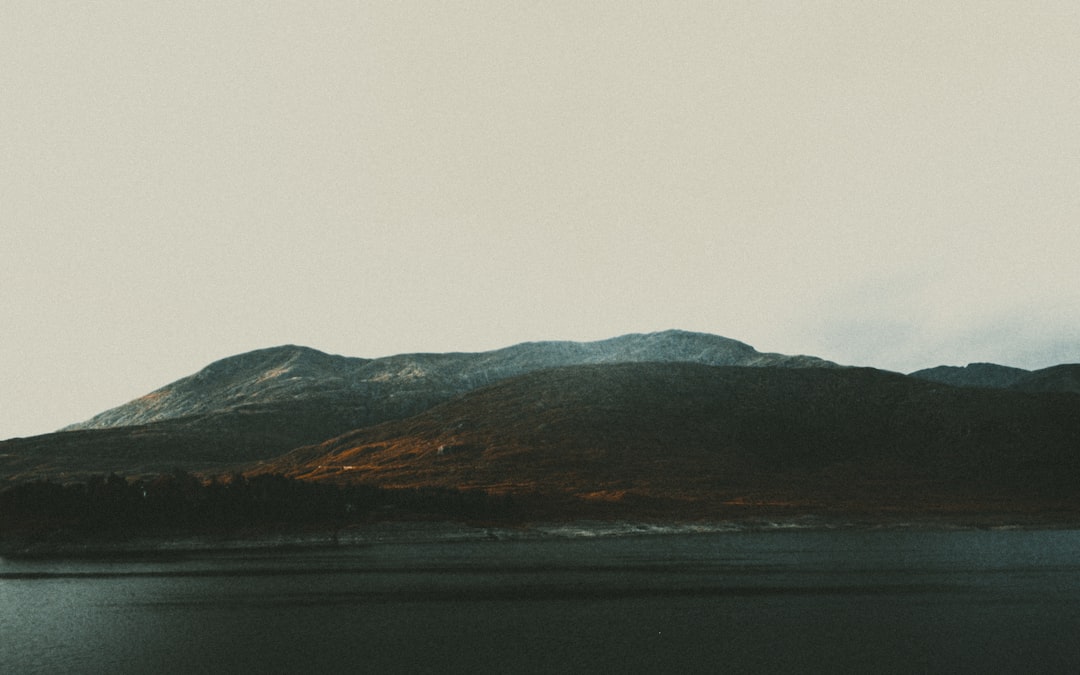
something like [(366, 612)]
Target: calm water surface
[(798, 601)]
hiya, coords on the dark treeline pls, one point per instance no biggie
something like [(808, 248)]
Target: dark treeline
[(179, 501)]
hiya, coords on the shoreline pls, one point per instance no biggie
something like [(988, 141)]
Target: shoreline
[(285, 540)]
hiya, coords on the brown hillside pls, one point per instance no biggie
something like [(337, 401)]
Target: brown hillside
[(694, 434)]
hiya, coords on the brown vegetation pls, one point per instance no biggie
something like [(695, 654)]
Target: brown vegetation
[(693, 439)]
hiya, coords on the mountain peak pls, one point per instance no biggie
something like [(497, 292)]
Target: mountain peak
[(262, 375), (283, 359)]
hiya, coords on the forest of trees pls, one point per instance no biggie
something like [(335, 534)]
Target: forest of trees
[(180, 502)]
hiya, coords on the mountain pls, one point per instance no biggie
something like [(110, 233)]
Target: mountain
[(288, 374), (703, 436), (1065, 377), (275, 375), (263, 403), (673, 424), (973, 375)]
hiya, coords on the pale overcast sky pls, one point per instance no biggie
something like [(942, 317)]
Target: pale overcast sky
[(890, 184)]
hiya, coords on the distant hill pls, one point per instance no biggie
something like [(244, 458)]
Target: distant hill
[(285, 375), (973, 375), (1065, 377), (707, 434)]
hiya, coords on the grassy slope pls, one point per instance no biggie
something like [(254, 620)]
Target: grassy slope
[(694, 437)]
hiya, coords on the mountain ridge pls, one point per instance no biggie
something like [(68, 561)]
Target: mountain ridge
[(291, 372), (1063, 377), (274, 368), (973, 375)]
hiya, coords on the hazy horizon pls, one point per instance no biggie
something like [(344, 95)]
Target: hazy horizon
[(883, 185)]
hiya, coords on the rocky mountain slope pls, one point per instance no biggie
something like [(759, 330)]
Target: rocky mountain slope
[(289, 374), (263, 403)]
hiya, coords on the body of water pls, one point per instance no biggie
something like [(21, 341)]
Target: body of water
[(785, 601)]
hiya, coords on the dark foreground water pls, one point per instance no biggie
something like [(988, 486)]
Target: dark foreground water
[(795, 601)]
